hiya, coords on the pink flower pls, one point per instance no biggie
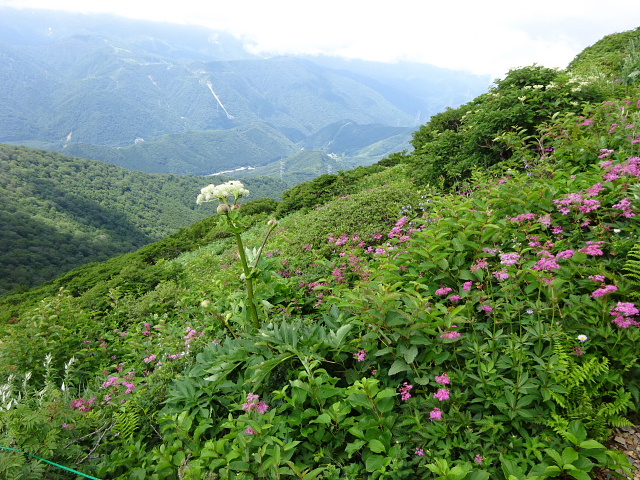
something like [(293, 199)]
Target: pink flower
[(149, 359), (419, 452), (443, 379), (597, 278), (443, 290), (467, 286), (565, 254), (404, 391), (252, 404), (455, 298), (509, 258), (486, 308), (435, 414), (593, 248), (479, 459), (250, 431), (546, 263), (601, 292), (361, 355), (481, 263), (451, 335), (442, 394), (501, 274), (577, 351)]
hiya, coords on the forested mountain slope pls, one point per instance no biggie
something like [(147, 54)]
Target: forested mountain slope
[(58, 212)]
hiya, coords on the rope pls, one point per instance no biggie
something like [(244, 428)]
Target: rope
[(52, 463)]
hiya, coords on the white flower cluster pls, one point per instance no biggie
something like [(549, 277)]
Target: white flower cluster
[(222, 192)]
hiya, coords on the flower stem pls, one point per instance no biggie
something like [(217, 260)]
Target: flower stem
[(247, 274)]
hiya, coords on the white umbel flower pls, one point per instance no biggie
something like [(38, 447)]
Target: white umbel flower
[(222, 192)]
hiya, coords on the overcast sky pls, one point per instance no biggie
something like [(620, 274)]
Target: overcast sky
[(485, 37)]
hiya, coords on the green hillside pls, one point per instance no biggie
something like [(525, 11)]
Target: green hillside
[(59, 212), (466, 311)]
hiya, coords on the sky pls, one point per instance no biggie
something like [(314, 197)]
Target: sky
[(484, 37)]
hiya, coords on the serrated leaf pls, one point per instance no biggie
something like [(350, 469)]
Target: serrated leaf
[(398, 366)]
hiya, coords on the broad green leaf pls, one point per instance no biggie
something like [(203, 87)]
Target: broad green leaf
[(376, 446)]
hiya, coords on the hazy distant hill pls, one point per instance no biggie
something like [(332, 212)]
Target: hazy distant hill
[(80, 83)]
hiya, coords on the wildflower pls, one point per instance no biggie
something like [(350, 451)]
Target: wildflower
[(490, 251), (404, 391), (479, 459), (443, 290), (250, 431), (443, 379), (601, 292), (149, 359), (455, 298), (582, 338), (565, 254), (361, 355), (546, 263), (501, 274), (435, 414), (509, 258), (597, 278), (467, 286), (593, 248), (251, 404), (480, 264), (442, 394), (222, 192), (577, 351), (625, 206), (419, 452), (486, 308), (451, 335), (530, 312)]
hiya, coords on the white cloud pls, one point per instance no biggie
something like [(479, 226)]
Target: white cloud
[(487, 37)]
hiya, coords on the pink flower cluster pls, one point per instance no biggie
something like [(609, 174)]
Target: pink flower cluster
[(578, 202), (593, 248), (435, 414), (451, 335), (444, 290), (625, 206), (442, 394), (361, 355), (629, 167), (601, 292), (509, 258), (252, 404), (83, 405), (404, 391), (623, 312)]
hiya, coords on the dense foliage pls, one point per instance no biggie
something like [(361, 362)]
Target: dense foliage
[(487, 330)]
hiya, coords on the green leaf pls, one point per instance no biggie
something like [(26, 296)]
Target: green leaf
[(569, 455), (324, 418), (353, 447), (375, 462), (376, 446), (398, 366)]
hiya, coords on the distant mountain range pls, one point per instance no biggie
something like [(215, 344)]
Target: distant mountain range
[(164, 98)]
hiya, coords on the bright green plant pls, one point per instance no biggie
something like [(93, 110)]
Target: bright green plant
[(229, 210)]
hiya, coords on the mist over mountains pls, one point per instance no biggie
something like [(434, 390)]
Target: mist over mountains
[(164, 98)]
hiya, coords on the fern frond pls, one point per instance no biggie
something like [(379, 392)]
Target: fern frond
[(128, 420), (631, 268)]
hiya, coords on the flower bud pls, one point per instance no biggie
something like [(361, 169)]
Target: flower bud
[(272, 223), (205, 303), (223, 209)]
